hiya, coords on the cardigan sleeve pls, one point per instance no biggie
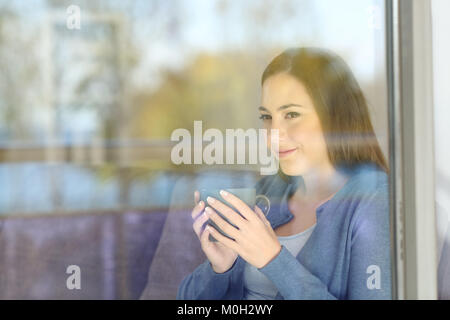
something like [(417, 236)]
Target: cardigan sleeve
[(293, 280), (205, 284), (369, 275)]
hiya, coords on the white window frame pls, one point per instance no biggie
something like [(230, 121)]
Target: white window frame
[(411, 131)]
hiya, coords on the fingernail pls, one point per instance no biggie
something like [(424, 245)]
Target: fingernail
[(210, 200), (200, 203), (223, 193)]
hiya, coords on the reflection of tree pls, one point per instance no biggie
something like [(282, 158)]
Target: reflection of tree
[(22, 91), (159, 22), (19, 72), (162, 89), (91, 81), (268, 24), (220, 90), (282, 15)]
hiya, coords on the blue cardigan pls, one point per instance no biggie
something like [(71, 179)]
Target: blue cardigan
[(346, 257)]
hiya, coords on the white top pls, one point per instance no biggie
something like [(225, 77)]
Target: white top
[(256, 285)]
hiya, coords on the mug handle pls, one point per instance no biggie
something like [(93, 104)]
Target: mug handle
[(265, 208)]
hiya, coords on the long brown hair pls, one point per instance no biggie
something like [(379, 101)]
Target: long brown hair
[(339, 103)]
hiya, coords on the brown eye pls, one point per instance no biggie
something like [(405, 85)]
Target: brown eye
[(265, 117), (291, 115)]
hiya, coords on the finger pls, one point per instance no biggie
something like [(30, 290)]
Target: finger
[(204, 238), (198, 224), (222, 224), (234, 217), (240, 205), (197, 209), (222, 239), (196, 196), (262, 216)]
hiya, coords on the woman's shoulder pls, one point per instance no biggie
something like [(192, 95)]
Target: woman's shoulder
[(368, 179), (368, 193)]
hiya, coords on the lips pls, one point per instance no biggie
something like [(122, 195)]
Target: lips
[(285, 152)]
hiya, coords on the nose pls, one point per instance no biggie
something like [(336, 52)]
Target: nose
[(282, 135), (274, 142)]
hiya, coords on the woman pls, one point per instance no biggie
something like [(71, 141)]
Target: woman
[(329, 237)]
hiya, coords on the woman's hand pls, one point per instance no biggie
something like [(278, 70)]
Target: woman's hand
[(255, 241), (220, 256)]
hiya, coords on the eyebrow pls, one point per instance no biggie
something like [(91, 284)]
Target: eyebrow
[(282, 107)]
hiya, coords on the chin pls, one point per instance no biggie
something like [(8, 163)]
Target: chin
[(292, 169)]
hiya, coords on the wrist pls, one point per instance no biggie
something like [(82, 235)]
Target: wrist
[(274, 256), (218, 269)]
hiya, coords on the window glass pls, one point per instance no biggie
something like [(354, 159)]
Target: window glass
[(94, 99)]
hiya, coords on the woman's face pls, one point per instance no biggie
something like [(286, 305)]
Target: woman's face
[(287, 106)]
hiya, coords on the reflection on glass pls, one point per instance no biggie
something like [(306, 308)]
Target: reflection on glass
[(86, 117)]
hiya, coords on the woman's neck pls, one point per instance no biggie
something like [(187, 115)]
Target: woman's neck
[(320, 185)]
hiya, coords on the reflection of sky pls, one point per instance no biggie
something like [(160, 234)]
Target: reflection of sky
[(343, 26), (340, 25), (197, 26)]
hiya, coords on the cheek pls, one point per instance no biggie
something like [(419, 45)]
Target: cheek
[(299, 134), (309, 137), (317, 147)]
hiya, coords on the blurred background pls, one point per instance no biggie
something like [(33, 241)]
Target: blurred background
[(86, 117)]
